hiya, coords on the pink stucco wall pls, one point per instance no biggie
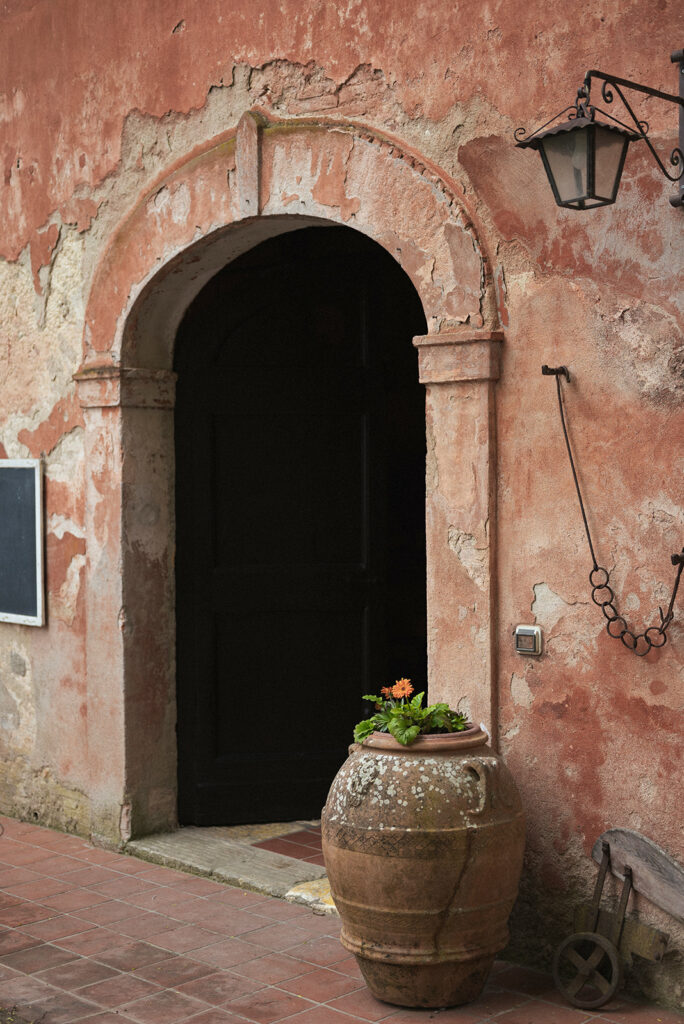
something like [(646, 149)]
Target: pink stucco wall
[(102, 104)]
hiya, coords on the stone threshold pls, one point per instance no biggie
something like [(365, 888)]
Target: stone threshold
[(228, 855)]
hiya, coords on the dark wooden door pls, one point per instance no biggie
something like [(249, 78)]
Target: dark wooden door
[(300, 519)]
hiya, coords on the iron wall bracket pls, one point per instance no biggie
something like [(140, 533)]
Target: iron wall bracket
[(641, 127)]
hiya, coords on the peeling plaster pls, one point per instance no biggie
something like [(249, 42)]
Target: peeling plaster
[(66, 457), (17, 702), (520, 692), (548, 607), (474, 559), (59, 525)]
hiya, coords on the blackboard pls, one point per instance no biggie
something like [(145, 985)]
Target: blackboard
[(21, 542)]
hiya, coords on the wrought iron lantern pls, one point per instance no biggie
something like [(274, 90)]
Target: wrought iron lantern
[(583, 156)]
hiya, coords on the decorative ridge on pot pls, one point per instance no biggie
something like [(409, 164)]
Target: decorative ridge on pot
[(472, 737), (423, 840)]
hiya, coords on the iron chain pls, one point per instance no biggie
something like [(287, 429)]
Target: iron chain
[(602, 594), (654, 636)]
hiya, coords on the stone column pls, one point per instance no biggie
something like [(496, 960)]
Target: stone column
[(459, 370), (130, 629)]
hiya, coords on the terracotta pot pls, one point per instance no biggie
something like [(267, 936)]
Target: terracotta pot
[(423, 846)]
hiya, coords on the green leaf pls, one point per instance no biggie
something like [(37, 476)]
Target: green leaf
[(372, 696), (402, 730), (417, 700), (363, 730)]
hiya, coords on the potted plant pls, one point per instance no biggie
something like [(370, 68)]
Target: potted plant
[(423, 835)]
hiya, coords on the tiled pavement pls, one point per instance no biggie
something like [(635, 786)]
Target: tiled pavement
[(96, 937), (304, 844)]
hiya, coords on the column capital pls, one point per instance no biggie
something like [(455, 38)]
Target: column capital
[(109, 386), (463, 355)]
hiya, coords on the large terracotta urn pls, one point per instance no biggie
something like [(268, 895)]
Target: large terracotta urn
[(423, 846)]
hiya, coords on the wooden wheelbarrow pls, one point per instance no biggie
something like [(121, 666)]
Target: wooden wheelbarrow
[(588, 965)]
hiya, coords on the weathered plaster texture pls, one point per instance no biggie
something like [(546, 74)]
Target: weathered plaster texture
[(133, 170)]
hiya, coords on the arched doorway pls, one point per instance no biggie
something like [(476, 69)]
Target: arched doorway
[(300, 518), (223, 197)]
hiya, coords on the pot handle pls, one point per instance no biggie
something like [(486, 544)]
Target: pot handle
[(480, 770)]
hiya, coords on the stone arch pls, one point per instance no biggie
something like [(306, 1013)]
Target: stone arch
[(221, 199)]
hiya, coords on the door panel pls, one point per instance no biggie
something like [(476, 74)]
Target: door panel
[(299, 514)]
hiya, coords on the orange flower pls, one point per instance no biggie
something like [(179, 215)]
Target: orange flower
[(402, 688), (386, 691)]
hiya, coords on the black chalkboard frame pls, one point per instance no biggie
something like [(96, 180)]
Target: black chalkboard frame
[(36, 465)]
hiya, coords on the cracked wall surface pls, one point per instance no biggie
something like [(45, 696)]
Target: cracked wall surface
[(118, 156)]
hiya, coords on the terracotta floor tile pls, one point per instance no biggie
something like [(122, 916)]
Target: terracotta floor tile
[(184, 939), (227, 953), (160, 875), (285, 848), (60, 1008), (524, 979), (38, 958), (638, 1015), (93, 942), (107, 912), (19, 854), (91, 874), (77, 974), (143, 926), (454, 1015), (273, 968), (24, 913), (310, 837), (225, 919), (163, 1008), (76, 899), (321, 985), (321, 925), (320, 1015), (56, 866), (39, 888), (538, 1012), (63, 842), (162, 897), (318, 858), (267, 1005), (281, 910), (115, 991), (349, 967), (15, 876), (216, 1016), (7, 900), (55, 927), (177, 970), (107, 1018), (124, 886), (197, 886), (11, 941), (220, 987), (129, 866), (131, 956), (492, 1002), (105, 858), (278, 936), (23, 990), (322, 951), (241, 898), (362, 1004)]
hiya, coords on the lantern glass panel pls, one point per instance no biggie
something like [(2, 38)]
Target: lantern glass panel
[(610, 149), (566, 158)]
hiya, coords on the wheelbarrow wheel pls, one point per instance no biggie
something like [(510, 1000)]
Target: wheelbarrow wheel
[(586, 969)]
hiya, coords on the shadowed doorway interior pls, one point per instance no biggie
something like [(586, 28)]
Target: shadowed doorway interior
[(300, 518)]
